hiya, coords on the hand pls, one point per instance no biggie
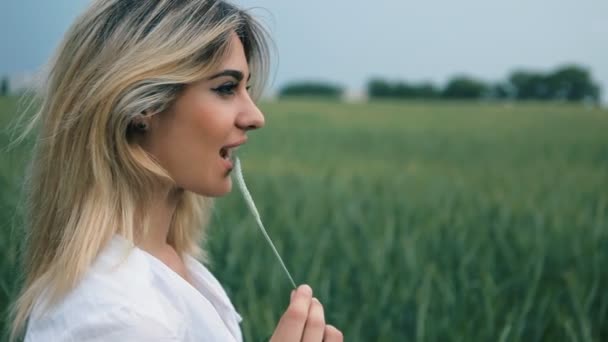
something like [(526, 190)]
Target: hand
[(304, 320)]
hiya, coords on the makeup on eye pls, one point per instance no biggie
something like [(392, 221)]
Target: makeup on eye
[(228, 88)]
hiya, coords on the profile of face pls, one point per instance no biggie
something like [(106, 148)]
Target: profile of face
[(194, 139)]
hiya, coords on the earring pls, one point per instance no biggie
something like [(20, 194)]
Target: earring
[(139, 123), (142, 126)]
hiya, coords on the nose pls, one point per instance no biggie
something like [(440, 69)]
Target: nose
[(250, 117)]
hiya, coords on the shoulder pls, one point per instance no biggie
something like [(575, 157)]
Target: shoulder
[(116, 300), (119, 323)]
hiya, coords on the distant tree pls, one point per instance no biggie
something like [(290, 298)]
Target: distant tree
[(416, 90), (4, 86), (426, 91), (570, 83), (500, 91), (566, 83), (378, 88), (529, 85), (311, 89), (463, 87), (401, 90)]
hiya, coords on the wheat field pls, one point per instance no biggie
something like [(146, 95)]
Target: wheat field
[(412, 221)]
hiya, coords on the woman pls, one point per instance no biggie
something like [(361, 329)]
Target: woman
[(144, 106)]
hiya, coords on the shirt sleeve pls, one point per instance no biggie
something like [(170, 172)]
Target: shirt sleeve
[(120, 324)]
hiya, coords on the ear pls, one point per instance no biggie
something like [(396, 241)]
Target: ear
[(141, 122)]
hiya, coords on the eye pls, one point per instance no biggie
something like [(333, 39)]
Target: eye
[(225, 89)]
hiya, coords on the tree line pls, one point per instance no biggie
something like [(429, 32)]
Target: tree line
[(566, 83), (4, 86)]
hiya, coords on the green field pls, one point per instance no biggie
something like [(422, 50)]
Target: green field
[(412, 221)]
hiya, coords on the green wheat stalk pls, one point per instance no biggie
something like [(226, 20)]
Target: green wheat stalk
[(238, 173)]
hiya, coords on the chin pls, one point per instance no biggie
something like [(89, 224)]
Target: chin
[(222, 188)]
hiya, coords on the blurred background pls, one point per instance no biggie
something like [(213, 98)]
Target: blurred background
[(436, 171)]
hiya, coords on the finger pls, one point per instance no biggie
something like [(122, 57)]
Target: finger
[(315, 323), (291, 325), (332, 334)]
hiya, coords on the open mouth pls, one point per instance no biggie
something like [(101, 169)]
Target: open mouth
[(225, 153)]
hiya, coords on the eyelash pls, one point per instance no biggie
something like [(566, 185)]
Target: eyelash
[(228, 89)]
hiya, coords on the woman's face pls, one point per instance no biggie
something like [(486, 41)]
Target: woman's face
[(192, 140)]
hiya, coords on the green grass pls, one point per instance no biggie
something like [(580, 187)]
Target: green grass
[(412, 221)]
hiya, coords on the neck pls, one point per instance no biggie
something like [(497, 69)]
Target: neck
[(159, 216)]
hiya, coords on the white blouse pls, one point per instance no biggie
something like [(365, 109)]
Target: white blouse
[(140, 299)]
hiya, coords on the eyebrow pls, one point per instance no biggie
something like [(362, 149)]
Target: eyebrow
[(238, 75)]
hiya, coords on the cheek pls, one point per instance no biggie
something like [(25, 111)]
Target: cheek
[(213, 123), (202, 131), (197, 116), (198, 127)]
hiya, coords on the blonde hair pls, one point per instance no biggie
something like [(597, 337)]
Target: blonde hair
[(87, 179)]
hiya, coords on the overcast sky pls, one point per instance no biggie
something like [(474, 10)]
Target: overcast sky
[(349, 41)]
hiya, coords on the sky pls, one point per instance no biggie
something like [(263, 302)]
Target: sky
[(347, 42)]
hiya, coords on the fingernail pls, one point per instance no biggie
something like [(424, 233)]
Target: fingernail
[(305, 289), (314, 299), (292, 293)]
